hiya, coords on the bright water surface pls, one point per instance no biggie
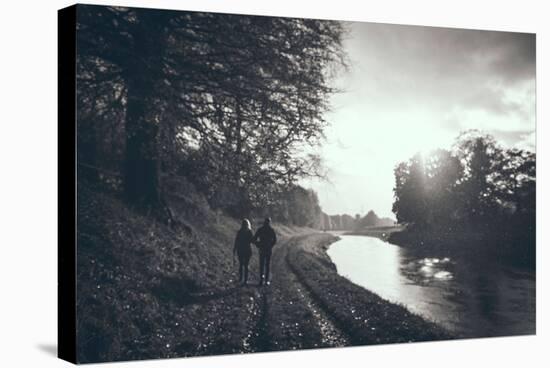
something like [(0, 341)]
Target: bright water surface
[(474, 299)]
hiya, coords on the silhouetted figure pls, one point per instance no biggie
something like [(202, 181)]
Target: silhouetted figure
[(265, 239), (243, 250)]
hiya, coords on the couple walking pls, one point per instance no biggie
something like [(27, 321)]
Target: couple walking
[(264, 239)]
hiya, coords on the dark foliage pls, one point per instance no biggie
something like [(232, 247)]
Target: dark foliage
[(227, 101), (477, 197)]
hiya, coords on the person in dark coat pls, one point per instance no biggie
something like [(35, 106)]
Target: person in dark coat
[(243, 250), (265, 238)]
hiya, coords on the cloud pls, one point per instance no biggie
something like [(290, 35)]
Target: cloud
[(527, 142), (494, 101), (440, 67)]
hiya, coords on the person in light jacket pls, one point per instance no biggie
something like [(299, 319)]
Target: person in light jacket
[(243, 250)]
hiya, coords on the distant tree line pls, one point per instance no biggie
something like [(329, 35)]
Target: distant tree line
[(477, 196), (348, 223), (229, 102)]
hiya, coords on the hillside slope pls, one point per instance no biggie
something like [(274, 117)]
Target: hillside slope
[(147, 290)]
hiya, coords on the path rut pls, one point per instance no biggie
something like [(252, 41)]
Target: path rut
[(291, 317)]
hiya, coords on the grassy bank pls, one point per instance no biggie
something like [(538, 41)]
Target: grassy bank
[(147, 290), (366, 317)]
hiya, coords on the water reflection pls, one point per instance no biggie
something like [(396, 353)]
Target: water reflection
[(474, 299), (426, 270)]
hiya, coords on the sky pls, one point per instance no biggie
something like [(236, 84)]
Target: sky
[(412, 89)]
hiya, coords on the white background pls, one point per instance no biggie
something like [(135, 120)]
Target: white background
[(28, 185)]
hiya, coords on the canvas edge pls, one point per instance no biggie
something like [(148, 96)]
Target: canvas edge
[(66, 176)]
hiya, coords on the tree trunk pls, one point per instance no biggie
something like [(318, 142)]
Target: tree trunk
[(142, 177), (141, 181)]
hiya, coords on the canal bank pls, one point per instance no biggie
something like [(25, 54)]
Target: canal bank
[(365, 317)]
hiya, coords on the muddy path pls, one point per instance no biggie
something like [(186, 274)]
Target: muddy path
[(291, 317)]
